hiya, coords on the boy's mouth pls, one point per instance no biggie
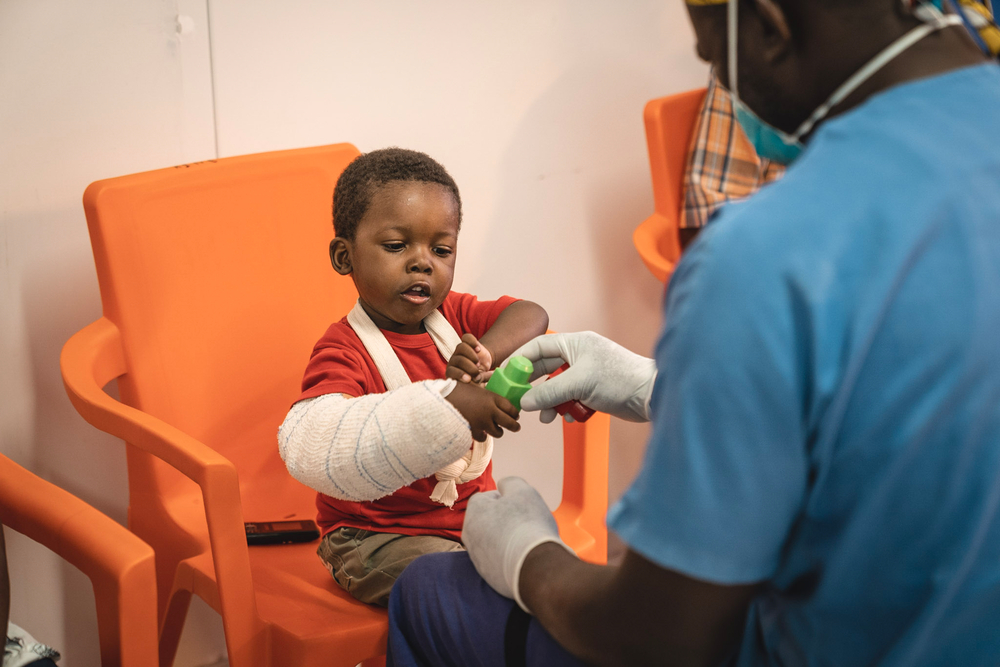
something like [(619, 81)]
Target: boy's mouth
[(418, 294)]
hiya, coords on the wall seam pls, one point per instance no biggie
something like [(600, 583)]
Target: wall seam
[(211, 73)]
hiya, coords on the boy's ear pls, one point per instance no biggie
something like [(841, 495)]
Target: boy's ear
[(340, 256)]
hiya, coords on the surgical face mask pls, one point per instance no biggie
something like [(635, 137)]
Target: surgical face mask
[(781, 147)]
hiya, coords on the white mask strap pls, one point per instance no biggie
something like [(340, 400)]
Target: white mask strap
[(731, 16), (875, 64), (937, 22)]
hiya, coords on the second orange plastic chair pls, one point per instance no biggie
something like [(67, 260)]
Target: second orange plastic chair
[(119, 564), (670, 122), (215, 284)]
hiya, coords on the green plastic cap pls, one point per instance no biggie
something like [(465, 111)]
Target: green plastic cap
[(518, 370)]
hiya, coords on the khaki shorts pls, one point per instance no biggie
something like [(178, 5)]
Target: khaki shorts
[(366, 564)]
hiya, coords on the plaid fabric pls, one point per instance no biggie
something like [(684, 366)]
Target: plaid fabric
[(722, 164)]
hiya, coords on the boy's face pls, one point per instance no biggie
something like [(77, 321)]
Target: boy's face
[(402, 258)]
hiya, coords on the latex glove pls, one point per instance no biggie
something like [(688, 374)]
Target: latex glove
[(602, 375), (500, 530)]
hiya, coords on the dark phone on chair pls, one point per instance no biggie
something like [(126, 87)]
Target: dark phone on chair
[(280, 532)]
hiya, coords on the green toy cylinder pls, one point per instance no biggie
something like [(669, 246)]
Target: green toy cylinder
[(511, 381)]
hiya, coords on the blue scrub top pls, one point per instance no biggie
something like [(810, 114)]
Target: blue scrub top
[(827, 411)]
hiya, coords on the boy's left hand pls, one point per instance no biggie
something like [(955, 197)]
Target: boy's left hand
[(471, 361)]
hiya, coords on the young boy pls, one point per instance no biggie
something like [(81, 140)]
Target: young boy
[(392, 428)]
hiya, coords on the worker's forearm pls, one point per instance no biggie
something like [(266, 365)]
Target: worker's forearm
[(637, 613), (570, 599), (517, 324)]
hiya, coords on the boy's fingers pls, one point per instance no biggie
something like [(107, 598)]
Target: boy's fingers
[(506, 406), (456, 373), (494, 430), (466, 364), (470, 340), (466, 351), (504, 420), (461, 369)]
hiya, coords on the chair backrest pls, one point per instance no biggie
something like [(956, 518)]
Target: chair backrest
[(119, 564), (670, 122), (217, 276)]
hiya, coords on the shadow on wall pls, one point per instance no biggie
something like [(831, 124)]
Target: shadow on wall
[(58, 297), (573, 145)]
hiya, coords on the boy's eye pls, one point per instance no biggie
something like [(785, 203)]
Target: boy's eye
[(393, 247), (443, 252)]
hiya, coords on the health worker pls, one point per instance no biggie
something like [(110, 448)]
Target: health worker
[(822, 482)]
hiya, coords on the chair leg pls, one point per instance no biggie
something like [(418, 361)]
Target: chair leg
[(126, 614), (173, 625), (374, 662)]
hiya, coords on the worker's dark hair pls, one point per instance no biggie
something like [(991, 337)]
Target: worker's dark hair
[(370, 171)]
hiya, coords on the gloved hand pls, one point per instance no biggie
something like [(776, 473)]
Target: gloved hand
[(602, 375), (500, 530)]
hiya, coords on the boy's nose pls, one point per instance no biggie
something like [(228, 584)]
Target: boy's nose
[(420, 263)]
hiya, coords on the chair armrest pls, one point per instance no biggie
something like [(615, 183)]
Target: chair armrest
[(584, 506), (119, 564), (582, 512), (93, 357), (647, 241), (90, 360)]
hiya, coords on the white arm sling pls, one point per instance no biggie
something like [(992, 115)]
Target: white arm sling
[(446, 339)]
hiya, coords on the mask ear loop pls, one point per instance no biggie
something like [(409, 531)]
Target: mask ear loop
[(731, 16), (876, 63)]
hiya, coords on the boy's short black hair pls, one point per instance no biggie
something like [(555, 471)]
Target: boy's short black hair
[(370, 171)]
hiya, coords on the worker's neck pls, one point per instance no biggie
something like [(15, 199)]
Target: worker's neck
[(942, 51)]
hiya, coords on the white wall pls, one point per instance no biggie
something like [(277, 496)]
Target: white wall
[(89, 90), (534, 107)]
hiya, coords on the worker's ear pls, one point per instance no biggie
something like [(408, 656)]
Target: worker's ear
[(340, 255), (776, 36)]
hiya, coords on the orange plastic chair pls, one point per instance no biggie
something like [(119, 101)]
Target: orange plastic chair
[(215, 284), (119, 564), (669, 124)]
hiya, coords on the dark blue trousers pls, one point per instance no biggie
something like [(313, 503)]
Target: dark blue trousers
[(442, 613)]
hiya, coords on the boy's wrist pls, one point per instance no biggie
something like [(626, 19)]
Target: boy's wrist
[(493, 357), (491, 346), (447, 386), (519, 322)]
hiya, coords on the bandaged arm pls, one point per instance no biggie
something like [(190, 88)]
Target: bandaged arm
[(368, 447)]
